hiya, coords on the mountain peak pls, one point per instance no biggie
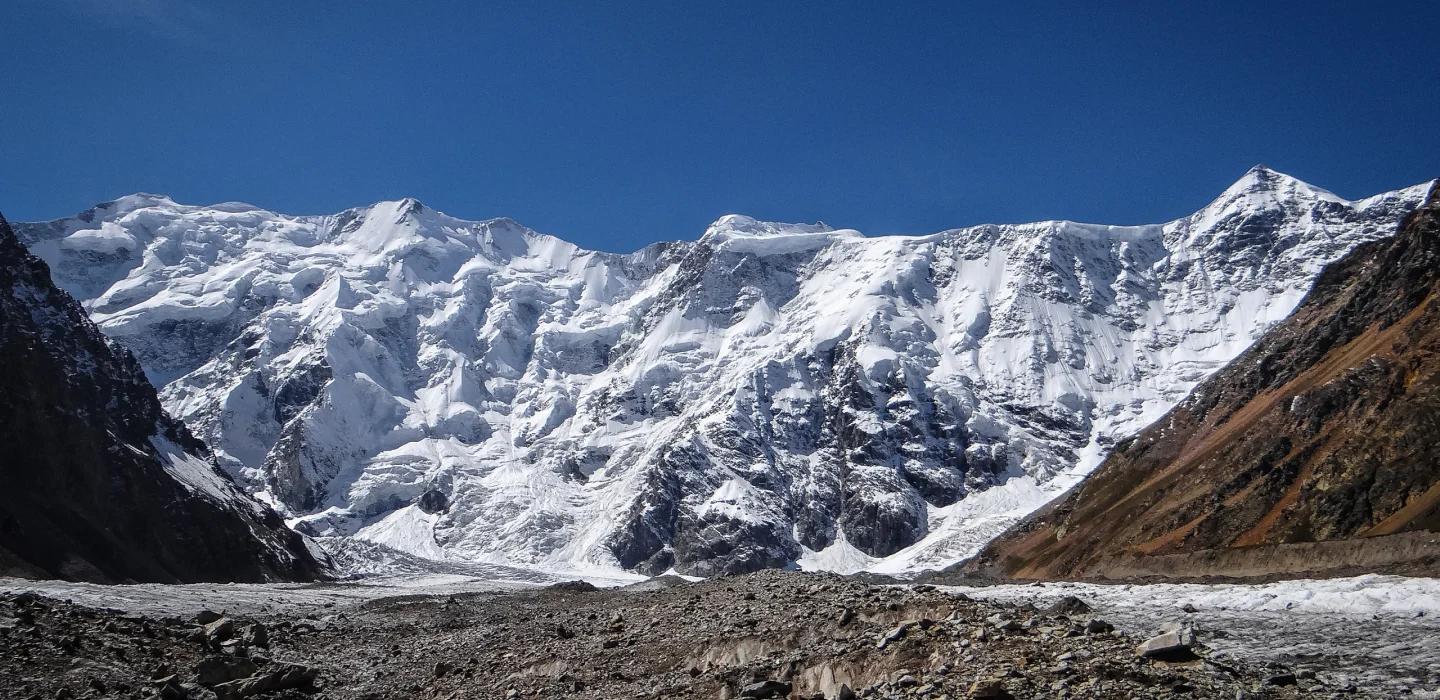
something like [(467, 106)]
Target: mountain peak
[(1265, 182), (739, 223), (139, 200), (1263, 177)]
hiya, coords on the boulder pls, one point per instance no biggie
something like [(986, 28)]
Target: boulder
[(988, 688), (222, 669), (896, 634), (1069, 606), (219, 630), (574, 587), (1168, 644), (283, 677), (256, 635), (766, 689)]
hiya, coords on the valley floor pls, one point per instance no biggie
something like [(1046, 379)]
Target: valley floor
[(518, 635)]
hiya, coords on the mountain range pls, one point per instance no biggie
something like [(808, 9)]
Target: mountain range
[(768, 395)]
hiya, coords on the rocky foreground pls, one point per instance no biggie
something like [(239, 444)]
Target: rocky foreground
[(765, 635)]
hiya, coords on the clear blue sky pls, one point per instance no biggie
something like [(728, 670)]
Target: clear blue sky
[(615, 124)]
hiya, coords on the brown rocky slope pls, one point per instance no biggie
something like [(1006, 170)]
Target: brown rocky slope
[(1316, 452)]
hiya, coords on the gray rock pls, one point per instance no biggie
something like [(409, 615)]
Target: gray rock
[(433, 501), (1068, 606), (170, 689), (574, 587), (1098, 626), (222, 669), (219, 630), (1167, 644), (988, 688), (285, 677), (766, 689), (257, 635), (896, 634)]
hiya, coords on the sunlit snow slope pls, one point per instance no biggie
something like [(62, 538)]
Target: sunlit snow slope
[(766, 395)]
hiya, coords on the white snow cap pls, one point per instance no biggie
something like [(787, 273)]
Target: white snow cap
[(738, 223)]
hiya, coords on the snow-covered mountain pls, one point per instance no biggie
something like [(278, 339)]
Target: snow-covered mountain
[(769, 394)]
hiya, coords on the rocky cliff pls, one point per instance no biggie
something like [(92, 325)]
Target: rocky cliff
[(97, 482), (1317, 451)]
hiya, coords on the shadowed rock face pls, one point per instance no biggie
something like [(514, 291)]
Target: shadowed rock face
[(1318, 450), (97, 482)]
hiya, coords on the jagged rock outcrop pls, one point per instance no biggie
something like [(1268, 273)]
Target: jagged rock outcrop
[(767, 394), (1317, 451), (97, 482)]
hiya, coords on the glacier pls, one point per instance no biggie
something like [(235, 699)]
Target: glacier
[(394, 379)]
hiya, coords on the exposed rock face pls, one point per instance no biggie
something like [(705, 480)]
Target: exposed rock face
[(747, 400), (1317, 450), (97, 483)]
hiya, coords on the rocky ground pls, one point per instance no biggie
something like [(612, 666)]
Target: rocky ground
[(770, 634)]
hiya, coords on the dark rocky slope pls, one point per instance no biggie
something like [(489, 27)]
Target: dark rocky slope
[(97, 483), (1317, 451)]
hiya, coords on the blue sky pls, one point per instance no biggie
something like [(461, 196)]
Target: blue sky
[(616, 124)]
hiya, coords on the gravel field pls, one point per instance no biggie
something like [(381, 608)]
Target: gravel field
[(769, 634)]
